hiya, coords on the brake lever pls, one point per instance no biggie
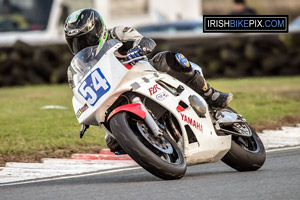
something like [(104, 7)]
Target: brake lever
[(134, 59)]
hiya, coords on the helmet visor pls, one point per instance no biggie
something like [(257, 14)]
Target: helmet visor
[(78, 43)]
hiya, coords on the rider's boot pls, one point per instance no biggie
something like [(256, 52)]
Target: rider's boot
[(212, 96)]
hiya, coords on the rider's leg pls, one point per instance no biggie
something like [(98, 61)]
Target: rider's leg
[(180, 68), (212, 96)]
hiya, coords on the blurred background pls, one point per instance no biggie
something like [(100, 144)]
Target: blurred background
[(37, 119), (33, 51)]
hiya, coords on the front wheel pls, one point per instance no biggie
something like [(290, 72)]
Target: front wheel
[(246, 153), (159, 156)]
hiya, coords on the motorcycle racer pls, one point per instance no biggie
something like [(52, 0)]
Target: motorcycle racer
[(86, 27)]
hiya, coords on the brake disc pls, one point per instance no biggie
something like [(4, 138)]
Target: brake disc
[(242, 129), (159, 143)]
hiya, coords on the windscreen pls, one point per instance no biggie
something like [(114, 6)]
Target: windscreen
[(87, 58)]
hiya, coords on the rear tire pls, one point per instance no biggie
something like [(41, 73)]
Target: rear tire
[(125, 128), (246, 153)]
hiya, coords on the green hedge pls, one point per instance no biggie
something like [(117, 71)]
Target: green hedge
[(230, 55), (23, 64), (243, 55)]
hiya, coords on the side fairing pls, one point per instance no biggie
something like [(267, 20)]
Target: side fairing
[(206, 146)]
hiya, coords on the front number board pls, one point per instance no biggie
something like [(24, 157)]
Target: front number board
[(94, 87)]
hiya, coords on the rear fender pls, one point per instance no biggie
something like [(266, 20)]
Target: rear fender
[(134, 108)]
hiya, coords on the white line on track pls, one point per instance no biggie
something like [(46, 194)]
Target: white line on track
[(109, 171), (71, 176), (283, 149)]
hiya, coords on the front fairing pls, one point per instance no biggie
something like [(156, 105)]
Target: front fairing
[(87, 58)]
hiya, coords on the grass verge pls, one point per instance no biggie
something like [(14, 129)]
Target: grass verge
[(28, 133), (266, 103)]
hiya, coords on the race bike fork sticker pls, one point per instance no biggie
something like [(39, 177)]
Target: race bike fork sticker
[(153, 89), (94, 87), (162, 96)]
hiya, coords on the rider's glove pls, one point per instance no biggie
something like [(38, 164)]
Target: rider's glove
[(134, 53), (147, 45)]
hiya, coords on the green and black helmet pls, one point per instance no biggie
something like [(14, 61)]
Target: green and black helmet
[(84, 28)]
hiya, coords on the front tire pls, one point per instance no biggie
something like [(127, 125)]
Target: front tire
[(130, 130)]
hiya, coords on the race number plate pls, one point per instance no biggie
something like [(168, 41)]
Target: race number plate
[(94, 87)]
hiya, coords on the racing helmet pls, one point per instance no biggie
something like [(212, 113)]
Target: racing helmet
[(84, 28)]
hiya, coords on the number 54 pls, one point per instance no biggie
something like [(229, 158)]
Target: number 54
[(94, 86)]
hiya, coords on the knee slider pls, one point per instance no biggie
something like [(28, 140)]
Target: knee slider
[(183, 62), (166, 61), (178, 62)]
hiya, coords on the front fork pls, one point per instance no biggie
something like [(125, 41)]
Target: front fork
[(149, 119)]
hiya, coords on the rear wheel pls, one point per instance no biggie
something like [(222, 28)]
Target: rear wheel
[(246, 153), (159, 156)]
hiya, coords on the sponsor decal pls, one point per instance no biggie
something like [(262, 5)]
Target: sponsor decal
[(180, 108), (81, 110), (182, 60), (162, 96), (192, 122), (154, 89)]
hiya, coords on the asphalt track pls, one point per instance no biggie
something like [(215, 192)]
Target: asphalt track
[(278, 179)]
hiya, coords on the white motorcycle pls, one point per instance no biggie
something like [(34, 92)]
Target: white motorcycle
[(160, 122)]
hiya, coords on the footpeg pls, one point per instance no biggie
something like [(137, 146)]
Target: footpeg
[(83, 129)]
